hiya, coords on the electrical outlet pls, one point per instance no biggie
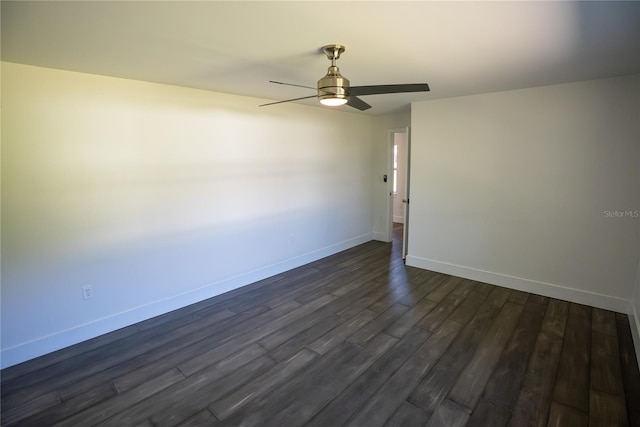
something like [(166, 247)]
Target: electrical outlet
[(87, 292), (292, 237)]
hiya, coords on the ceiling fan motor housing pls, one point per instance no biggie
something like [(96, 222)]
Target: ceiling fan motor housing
[(333, 85)]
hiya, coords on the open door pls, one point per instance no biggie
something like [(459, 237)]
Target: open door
[(405, 199), (398, 168)]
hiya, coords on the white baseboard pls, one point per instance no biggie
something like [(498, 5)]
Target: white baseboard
[(381, 237), (35, 348), (593, 299)]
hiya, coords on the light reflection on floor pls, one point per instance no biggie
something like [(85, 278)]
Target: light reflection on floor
[(398, 281)]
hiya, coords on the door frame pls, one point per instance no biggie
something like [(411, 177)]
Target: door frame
[(389, 198)]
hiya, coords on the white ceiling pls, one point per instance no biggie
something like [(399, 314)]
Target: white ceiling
[(459, 48)]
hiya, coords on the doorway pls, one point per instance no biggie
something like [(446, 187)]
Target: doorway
[(398, 154)]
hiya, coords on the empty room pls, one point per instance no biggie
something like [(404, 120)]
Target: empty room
[(333, 213)]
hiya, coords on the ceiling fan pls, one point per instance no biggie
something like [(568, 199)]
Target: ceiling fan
[(334, 89)]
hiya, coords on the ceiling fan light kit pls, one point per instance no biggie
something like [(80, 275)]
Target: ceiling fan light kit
[(334, 89), (333, 100)]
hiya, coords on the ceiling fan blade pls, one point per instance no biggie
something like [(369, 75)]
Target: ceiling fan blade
[(288, 100), (380, 89), (291, 84), (358, 103)]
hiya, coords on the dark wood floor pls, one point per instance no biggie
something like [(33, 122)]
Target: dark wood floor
[(353, 339)]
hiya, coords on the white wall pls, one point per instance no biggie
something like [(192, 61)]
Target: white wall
[(160, 196), (634, 311), (513, 188), (634, 314)]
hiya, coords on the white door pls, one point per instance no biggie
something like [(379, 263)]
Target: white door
[(405, 199), (400, 134)]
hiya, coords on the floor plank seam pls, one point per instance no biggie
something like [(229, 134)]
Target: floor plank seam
[(459, 405), (313, 351), (181, 371)]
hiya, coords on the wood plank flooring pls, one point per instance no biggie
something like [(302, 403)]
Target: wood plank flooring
[(355, 339)]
